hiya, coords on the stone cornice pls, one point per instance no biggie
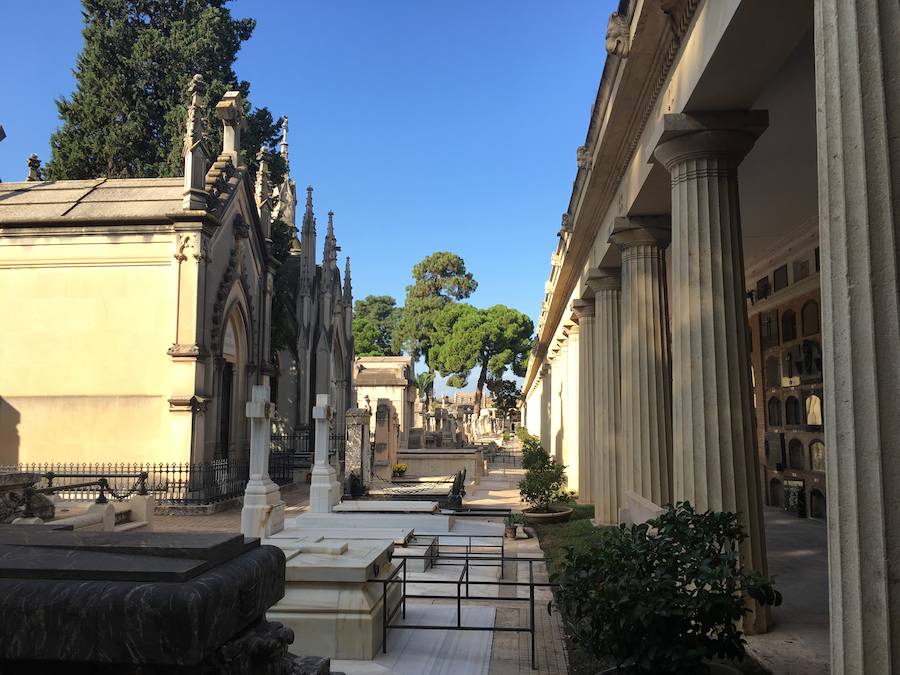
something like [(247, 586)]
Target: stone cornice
[(628, 92)]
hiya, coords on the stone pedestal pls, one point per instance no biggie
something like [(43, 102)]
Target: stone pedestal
[(358, 456), (324, 488), (331, 599), (263, 511), (857, 46), (646, 360), (607, 477), (716, 465)]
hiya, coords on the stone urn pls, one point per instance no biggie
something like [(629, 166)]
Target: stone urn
[(556, 514)]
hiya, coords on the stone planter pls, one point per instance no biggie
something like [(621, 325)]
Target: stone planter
[(555, 515), (510, 531)]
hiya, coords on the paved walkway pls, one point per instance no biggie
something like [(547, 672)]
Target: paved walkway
[(798, 559)]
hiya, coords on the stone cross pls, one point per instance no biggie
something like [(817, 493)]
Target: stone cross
[(263, 512), (324, 489)]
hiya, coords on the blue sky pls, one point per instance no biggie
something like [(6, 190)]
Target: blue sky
[(424, 125)]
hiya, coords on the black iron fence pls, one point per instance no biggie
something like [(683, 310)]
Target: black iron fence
[(173, 483)]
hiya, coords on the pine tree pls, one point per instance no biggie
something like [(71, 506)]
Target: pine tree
[(126, 116)]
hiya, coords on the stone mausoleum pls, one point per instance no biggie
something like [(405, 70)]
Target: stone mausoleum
[(140, 309), (721, 323)]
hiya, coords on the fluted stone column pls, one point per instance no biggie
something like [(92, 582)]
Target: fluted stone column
[(546, 405), (607, 452), (646, 367), (572, 422), (716, 465), (587, 443), (857, 45)]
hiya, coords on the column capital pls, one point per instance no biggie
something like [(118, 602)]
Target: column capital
[(604, 279), (727, 135), (583, 308), (630, 231)]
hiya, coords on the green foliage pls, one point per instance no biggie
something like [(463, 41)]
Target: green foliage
[(442, 274), (126, 117), (439, 280), (491, 340), (425, 384), (663, 596), (545, 478), (533, 455), (375, 320), (506, 394)]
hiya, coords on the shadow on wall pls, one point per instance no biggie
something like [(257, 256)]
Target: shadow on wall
[(9, 433)]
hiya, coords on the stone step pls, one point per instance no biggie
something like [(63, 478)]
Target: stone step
[(130, 525)]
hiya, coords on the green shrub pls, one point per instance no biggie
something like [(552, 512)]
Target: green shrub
[(534, 456), (543, 484), (663, 596)]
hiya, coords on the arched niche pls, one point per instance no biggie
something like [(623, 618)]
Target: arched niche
[(817, 455), (792, 411), (231, 379), (773, 409), (813, 410), (795, 454), (776, 492), (788, 326), (809, 318), (772, 372)]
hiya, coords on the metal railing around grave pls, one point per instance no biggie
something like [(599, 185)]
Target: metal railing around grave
[(175, 483), (472, 558), (296, 450)]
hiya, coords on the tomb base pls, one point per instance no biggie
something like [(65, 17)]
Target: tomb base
[(330, 602)]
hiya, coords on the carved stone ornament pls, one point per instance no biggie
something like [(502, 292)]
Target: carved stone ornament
[(617, 36), (555, 259), (583, 157)]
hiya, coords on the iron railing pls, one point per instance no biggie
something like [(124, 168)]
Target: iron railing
[(463, 583), (198, 483)]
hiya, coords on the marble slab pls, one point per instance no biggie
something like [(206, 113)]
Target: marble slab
[(385, 506), (398, 535)]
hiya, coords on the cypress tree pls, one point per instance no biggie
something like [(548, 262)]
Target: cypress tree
[(126, 117)]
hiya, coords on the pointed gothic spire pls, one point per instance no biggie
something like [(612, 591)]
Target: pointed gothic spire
[(196, 160), (329, 255), (348, 287), (284, 143)]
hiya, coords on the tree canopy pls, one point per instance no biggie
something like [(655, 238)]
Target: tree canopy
[(439, 279), (506, 394), (490, 340), (126, 117), (375, 320)]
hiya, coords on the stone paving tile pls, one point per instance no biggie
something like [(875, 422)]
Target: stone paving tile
[(296, 497)]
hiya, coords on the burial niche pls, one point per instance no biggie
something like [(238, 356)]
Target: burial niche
[(774, 410), (817, 505), (809, 317), (788, 326), (792, 414), (795, 454), (817, 455)]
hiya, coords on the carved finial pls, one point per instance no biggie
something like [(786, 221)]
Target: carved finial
[(329, 254), (618, 41), (196, 159), (330, 224), (309, 191), (263, 194), (284, 143), (231, 111), (34, 168)]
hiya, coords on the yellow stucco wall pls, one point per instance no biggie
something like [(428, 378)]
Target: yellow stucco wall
[(84, 376)]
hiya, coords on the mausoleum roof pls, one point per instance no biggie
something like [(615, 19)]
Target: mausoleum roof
[(83, 201)]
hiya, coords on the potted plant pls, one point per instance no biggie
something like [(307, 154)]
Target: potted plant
[(665, 596), (510, 530), (400, 469), (542, 487)]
